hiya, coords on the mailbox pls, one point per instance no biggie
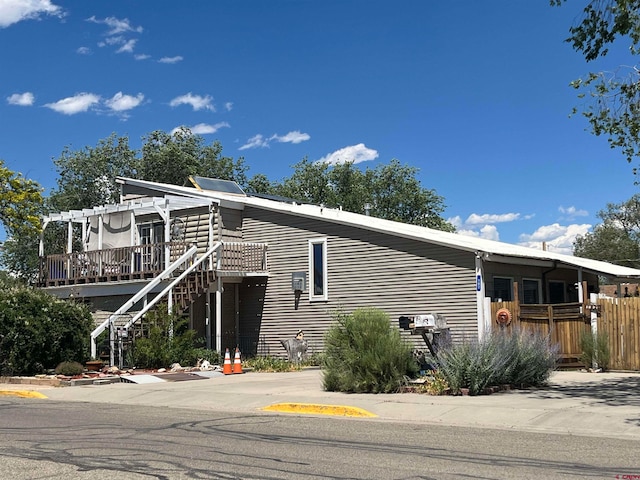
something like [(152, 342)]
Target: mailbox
[(423, 321)]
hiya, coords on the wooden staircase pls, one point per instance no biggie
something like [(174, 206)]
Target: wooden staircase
[(190, 288)]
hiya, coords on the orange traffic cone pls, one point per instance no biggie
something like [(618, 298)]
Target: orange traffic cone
[(226, 369), (237, 363)]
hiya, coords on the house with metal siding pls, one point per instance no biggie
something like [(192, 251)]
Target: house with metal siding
[(251, 271)]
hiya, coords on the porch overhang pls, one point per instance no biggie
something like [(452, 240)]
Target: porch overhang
[(614, 273)]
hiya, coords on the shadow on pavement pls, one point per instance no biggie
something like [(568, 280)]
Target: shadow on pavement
[(599, 390)]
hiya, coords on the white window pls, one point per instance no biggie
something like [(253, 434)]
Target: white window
[(152, 254), (531, 291), (318, 269)]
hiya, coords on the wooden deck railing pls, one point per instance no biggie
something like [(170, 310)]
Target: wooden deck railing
[(141, 261)]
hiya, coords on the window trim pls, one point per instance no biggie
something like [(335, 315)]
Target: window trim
[(312, 281)]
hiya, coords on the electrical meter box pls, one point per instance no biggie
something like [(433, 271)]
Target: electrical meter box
[(299, 281)]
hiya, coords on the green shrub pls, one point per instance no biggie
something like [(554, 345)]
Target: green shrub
[(363, 354), (69, 369), (595, 349), (38, 331), (271, 364), (169, 341), (518, 358), (313, 360), (198, 353)]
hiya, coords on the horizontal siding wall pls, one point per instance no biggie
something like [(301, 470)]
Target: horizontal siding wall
[(196, 226), (365, 269), (230, 224)]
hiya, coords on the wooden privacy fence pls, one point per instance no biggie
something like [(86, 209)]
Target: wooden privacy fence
[(619, 318), (563, 322)]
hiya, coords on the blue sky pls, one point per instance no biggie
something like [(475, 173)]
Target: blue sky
[(474, 94)]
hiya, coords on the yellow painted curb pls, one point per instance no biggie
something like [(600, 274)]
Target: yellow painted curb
[(23, 393), (314, 408)]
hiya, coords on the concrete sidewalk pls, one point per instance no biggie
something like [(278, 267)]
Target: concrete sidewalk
[(578, 403)]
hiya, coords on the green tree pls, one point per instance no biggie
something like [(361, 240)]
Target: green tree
[(309, 183), (397, 195), (617, 239), (389, 191), (172, 158), (21, 204), (87, 177), (613, 106)]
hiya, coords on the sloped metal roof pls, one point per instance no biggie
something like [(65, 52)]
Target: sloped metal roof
[(490, 250)]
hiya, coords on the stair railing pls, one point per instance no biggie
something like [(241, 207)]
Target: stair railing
[(173, 283), (167, 273)]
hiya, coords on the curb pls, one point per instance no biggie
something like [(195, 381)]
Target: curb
[(43, 381), (23, 393), (319, 409)]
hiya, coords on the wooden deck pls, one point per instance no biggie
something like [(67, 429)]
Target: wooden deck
[(142, 261)]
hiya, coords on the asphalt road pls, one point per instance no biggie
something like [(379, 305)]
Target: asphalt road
[(55, 440)]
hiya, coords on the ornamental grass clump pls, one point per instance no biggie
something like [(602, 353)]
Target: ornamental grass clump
[(517, 357), (595, 350), (363, 354)]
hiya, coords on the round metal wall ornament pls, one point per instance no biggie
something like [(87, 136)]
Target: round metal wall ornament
[(503, 317)]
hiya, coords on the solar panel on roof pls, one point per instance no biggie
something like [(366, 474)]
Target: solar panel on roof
[(216, 185)]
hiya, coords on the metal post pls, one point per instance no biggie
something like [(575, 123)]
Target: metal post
[(219, 316), (111, 343)]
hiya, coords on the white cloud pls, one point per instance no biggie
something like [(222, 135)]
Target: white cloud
[(260, 141), (483, 226), (355, 153), (257, 141), (116, 26), (25, 99), (175, 59), (228, 106), (14, 11), (197, 102), (484, 219), (204, 129), (294, 137), (142, 56), (569, 213), (558, 238), (121, 102), (118, 33), (128, 46), (76, 104), (117, 40), (488, 232)]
